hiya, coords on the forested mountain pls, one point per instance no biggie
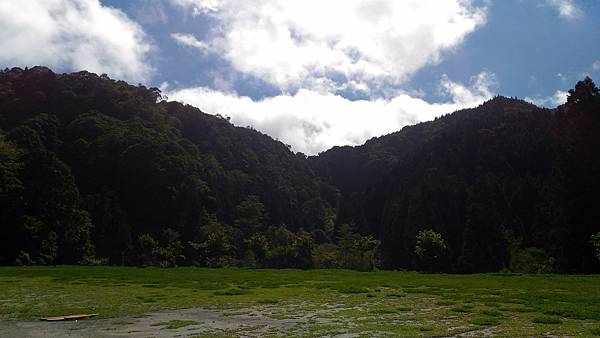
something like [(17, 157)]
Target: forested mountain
[(94, 170), (506, 184), (98, 168)]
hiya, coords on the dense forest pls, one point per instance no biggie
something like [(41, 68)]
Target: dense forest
[(97, 171)]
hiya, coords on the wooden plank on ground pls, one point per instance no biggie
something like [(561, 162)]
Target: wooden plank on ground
[(70, 317)]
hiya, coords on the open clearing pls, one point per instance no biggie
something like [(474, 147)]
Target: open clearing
[(244, 302)]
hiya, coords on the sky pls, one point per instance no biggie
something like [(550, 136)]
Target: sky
[(316, 73)]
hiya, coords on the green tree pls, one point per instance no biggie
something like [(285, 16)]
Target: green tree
[(147, 248), (259, 245), (326, 256), (11, 196), (484, 247), (170, 253), (111, 233), (585, 91), (9, 166), (357, 252), (303, 246), (532, 260), (217, 248), (250, 215), (53, 206), (151, 252), (430, 250), (596, 244), (288, 249)]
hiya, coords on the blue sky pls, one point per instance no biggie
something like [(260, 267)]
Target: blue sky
[(527, 44), (316, 73)]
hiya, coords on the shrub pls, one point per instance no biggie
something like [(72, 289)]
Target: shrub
[(326, 256), (532, 260), (430, 249), (24, 259)]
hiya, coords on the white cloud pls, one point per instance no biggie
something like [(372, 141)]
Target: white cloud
[(313, 121), (191, 41), (596, 65), (73, 35), (150, 12), (199, 6), (314, 50), (336, 43), (567, 9), (479, 90), (558, 98)]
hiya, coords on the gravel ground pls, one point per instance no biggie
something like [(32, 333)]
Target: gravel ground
[(200, 322)]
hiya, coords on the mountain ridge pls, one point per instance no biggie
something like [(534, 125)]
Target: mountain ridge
[(497, 182)]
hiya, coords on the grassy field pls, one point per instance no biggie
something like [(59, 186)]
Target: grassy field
[(319, 302)]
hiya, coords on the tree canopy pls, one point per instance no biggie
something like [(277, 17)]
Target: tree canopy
[(97, 171)]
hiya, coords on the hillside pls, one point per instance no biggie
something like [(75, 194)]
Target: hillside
[(100, 168), (506, 184), (98, 171)]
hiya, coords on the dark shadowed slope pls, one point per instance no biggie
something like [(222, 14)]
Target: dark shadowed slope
[(100, 163), (96, 170), (507, 184)]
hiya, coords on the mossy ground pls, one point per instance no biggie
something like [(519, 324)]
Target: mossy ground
[(319, 302)]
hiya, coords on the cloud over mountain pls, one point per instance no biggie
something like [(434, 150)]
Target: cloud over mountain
[(301, 44), (312, 121), (74, 35), (316, 52)]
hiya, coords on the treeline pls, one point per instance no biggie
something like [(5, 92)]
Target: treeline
[(506, 186), (96, 171)]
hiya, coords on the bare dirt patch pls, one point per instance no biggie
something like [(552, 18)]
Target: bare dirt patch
[(252, 322)]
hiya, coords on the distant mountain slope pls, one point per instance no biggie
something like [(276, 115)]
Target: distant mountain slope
[(96, 170), (502, 182), (139, 165)]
